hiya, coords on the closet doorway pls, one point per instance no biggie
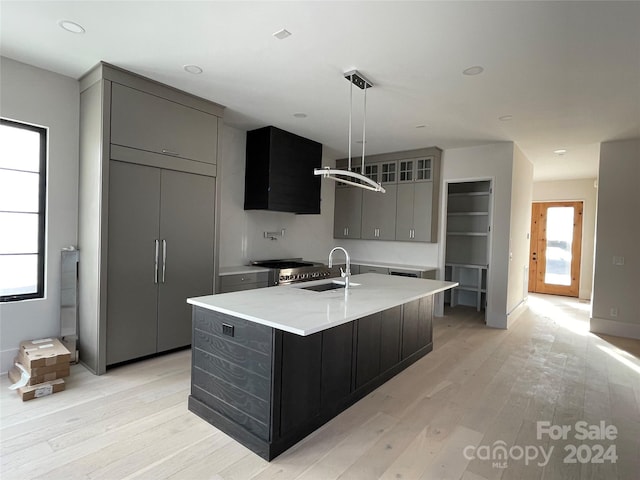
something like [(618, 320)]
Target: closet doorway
[(556, 239), (468, 242)]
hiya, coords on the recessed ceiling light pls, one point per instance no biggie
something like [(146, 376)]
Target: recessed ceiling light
[(300, 115), (195, 69), (505, 118), (475, 70), (560, 151), (282, 34), (70, 26)]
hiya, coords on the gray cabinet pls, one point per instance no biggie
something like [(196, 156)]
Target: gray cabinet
[(243, 281), (417, 215), (155, 124), (408, 211), (147, 177), (160, 253), (379, 209), (347, 218), (132, 288)]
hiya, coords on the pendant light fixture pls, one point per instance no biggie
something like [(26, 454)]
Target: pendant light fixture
[(348, 176)]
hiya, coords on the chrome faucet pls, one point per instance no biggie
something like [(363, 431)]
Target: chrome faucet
[(346, 274)]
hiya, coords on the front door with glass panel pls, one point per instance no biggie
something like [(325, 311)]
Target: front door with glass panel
[(556, 237)]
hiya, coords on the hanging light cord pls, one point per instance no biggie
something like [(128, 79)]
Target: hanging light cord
[(349, 177), (350, 115), (364, 123)]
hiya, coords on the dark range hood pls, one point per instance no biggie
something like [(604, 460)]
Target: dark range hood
[(279, 172)]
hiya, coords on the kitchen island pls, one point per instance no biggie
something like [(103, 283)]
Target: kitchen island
[(272, 365)]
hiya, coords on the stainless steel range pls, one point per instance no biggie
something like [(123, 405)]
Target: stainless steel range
[(294, 270)]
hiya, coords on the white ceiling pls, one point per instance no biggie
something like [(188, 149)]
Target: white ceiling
[(568, 72)]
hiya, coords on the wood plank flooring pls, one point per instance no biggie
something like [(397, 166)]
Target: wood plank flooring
[(444, 417)]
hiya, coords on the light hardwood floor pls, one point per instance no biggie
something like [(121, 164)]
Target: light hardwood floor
[(480, 388)]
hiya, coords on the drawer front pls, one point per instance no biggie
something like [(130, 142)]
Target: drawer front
[(239, 399), (252, 425), (250, 382), (371, 269), (147, 122), (232, 281), (257, 362), (244, 333)]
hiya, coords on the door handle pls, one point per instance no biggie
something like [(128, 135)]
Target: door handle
[(164, 259), (155, 272), (170, 152)]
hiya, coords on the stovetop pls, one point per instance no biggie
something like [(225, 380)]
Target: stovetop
[(281, 264), (293, 270)]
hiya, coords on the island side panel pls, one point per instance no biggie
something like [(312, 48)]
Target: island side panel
[(231, 378)]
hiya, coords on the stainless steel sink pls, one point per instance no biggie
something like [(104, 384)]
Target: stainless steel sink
[(323, 287)]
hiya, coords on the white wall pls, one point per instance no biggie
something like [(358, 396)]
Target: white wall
[(617, 234), (401, 253), (495, 162), (520, 226), (241, 232), (37, 96), (585, 191)]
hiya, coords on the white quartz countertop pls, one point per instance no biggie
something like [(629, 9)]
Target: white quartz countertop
[(293, 309)]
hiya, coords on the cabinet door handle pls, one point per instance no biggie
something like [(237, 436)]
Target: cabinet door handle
[(169, 152), (155, 271), (164, 259)]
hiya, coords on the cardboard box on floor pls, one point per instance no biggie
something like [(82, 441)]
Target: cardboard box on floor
[(41, 390), (40, 374), (43, 353)]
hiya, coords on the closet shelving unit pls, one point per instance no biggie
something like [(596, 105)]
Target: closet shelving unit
[(468, 231)]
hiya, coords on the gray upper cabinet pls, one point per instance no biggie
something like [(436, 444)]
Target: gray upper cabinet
[(379, 209), (408, 211), (146, 220), (154, 124), (418, 199)]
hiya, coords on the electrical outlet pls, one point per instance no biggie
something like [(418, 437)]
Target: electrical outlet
[(613, 312), (618, 260)]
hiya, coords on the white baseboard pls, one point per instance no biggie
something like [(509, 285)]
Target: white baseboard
[(496, 320), (6, 360), (612, 327), (515, 313)]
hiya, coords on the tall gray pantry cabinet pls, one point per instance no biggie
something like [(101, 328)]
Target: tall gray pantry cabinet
[(147, 214)]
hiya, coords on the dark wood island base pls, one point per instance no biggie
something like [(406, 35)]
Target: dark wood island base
[(268, 389)]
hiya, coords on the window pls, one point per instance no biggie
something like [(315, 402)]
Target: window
[(23, 150)]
